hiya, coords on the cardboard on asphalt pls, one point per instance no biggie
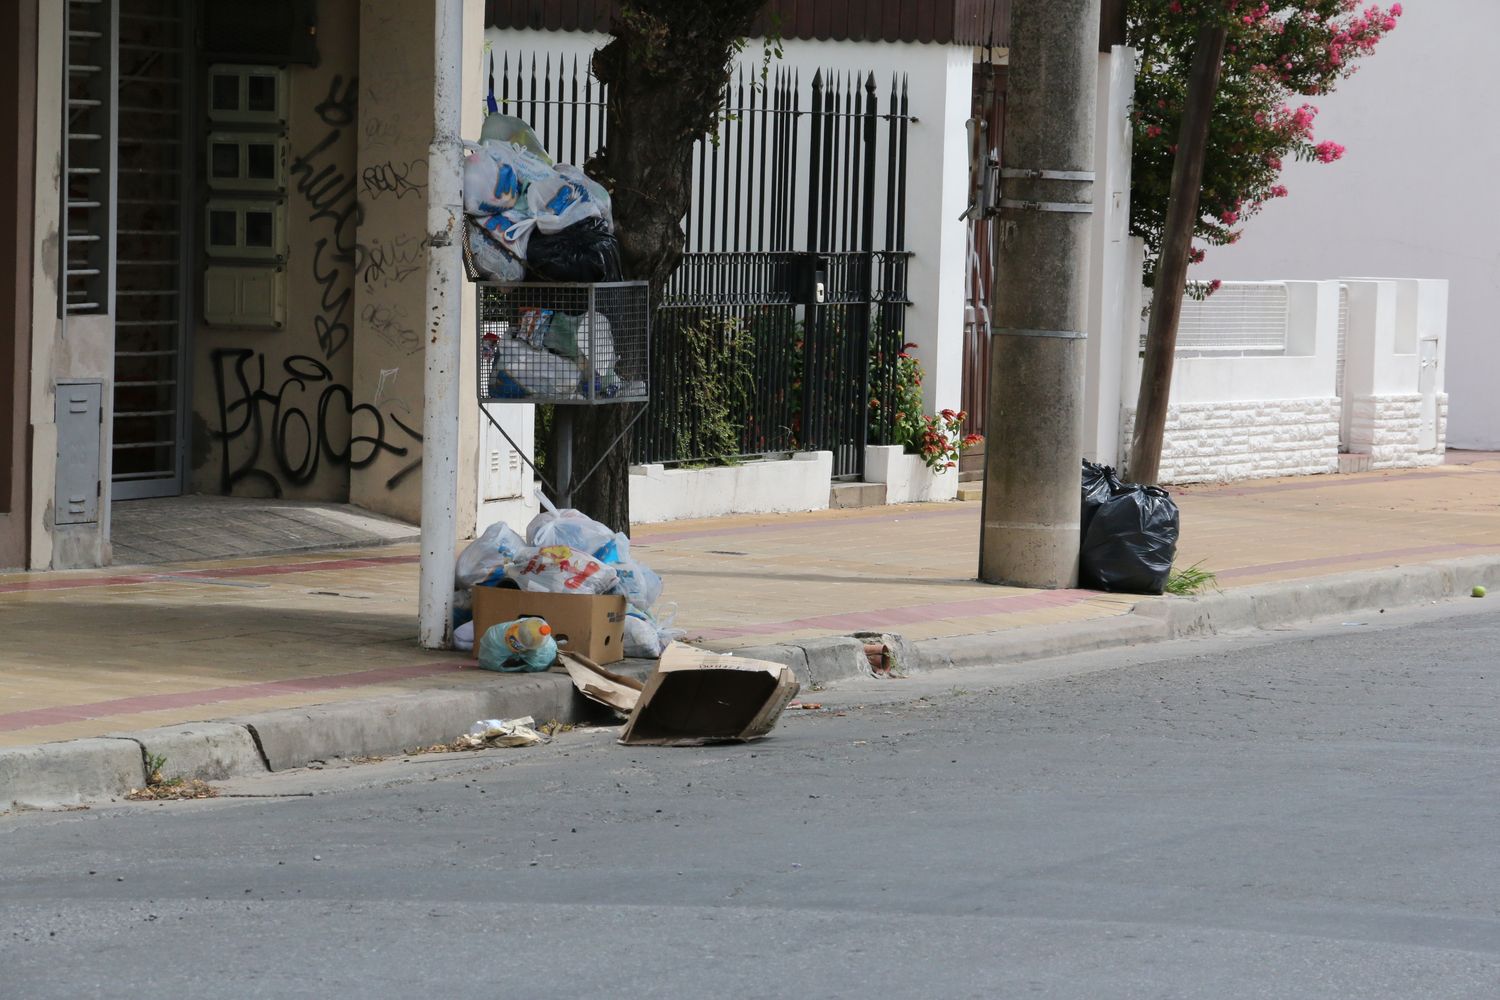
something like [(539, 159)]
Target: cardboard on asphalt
[(696, 697)]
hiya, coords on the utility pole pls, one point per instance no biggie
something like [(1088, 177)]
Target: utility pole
[(445, 291), (1176, 244), (1034, 438)]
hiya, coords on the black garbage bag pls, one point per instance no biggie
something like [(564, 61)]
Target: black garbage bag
[(1131, 542), (1099, 484), (584, 251)]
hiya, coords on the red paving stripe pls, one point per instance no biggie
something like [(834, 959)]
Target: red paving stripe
[(62, 714), (274, 569), (648, 537), (1456, 549), (884, 618)]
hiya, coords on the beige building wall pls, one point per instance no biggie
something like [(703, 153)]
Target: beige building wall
[(274, 411)]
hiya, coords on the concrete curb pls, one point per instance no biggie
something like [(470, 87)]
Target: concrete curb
[(74, 772)]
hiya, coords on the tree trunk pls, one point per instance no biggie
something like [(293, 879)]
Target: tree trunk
[(666, 68), (1171, 271)]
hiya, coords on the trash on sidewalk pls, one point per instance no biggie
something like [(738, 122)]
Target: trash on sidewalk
[(577, 575), (523, 646), (1129, 534), (605, 687), (463, 637), (501, 733), (696, 697), (593, 625)]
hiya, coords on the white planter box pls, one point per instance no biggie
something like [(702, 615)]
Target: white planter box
[(799, 483), (906, 477)]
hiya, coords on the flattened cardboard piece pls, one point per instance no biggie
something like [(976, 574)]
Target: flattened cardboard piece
[(696, 697), (609, 689), (593, 625)]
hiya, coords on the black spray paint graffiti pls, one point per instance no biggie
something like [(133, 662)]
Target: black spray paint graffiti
[(290, 423), (389, 323), (332, 195), (388, 262), (400, 179)]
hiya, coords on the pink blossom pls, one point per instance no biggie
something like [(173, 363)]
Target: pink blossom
[(1327, 152), (1229, 218), (1152, 131)]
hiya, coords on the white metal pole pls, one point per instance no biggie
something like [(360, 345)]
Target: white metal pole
[(445, 290)]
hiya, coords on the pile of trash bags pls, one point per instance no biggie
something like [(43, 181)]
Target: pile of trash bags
[(565, 552), (1129, 534), (530, 219)]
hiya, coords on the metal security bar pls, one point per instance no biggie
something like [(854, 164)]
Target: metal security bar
[(88, 157)]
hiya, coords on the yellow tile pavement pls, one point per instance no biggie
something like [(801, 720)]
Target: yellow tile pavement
[(89, 652)]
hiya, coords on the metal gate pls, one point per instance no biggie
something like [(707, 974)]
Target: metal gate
[(151, 246), (780, 329)]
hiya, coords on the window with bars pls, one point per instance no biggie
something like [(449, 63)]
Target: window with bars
[(88, 157)]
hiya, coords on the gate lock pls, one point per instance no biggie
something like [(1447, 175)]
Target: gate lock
[(807, 279)]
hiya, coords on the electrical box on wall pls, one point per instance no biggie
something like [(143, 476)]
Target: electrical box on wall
[(251, 298), (244, 220), (80, 426)]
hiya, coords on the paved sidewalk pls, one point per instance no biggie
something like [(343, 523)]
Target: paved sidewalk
[(89, 653)]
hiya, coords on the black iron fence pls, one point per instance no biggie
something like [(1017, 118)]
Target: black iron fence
[(782, 324)]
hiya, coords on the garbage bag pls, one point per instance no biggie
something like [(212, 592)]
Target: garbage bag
[(491, 258), (482, 562), (561, 569), (584, 252), (1099, 484), (558, 201), (1131, 542), (639, 583), (498, 176), (463, 637), (596, 190), (500, 127), (522, 370), (569, 527), (646, 637)]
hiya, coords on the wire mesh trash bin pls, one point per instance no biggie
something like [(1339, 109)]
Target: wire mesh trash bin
[(566, 345)]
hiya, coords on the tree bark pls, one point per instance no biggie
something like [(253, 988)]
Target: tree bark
[(666, 68), (1177, 242)]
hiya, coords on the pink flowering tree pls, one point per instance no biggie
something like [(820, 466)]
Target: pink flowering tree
[(1276, 55), (1219, 107)]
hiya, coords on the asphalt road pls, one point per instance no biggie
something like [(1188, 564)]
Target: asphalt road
[(1310, 814)]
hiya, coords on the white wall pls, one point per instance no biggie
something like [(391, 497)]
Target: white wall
[(1414, 194)]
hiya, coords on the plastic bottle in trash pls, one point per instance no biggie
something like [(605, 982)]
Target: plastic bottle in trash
[(526, 634), (489, 350), (501, 127)]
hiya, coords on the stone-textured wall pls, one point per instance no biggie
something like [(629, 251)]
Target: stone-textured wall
[(1387, 428), (1210, 442)]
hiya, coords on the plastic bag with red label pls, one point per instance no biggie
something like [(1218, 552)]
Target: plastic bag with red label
[(561, 569)]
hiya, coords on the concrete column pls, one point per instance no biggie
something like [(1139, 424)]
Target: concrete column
[(1038, 361)]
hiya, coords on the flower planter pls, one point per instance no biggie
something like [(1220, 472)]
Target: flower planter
[(906, 477)]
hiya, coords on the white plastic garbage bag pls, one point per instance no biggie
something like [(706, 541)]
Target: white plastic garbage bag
[(558, 201), (561, 569), (569, 527), (639, 583), (646, 638), (482, 562), (498, 175), (532, 371), (463, 637)]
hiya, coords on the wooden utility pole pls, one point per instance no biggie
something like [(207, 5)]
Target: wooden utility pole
[(1171, 270), (1034, 422)]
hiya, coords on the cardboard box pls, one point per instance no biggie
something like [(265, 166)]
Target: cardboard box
[(612, 690), (696, 697), (583, 623)]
